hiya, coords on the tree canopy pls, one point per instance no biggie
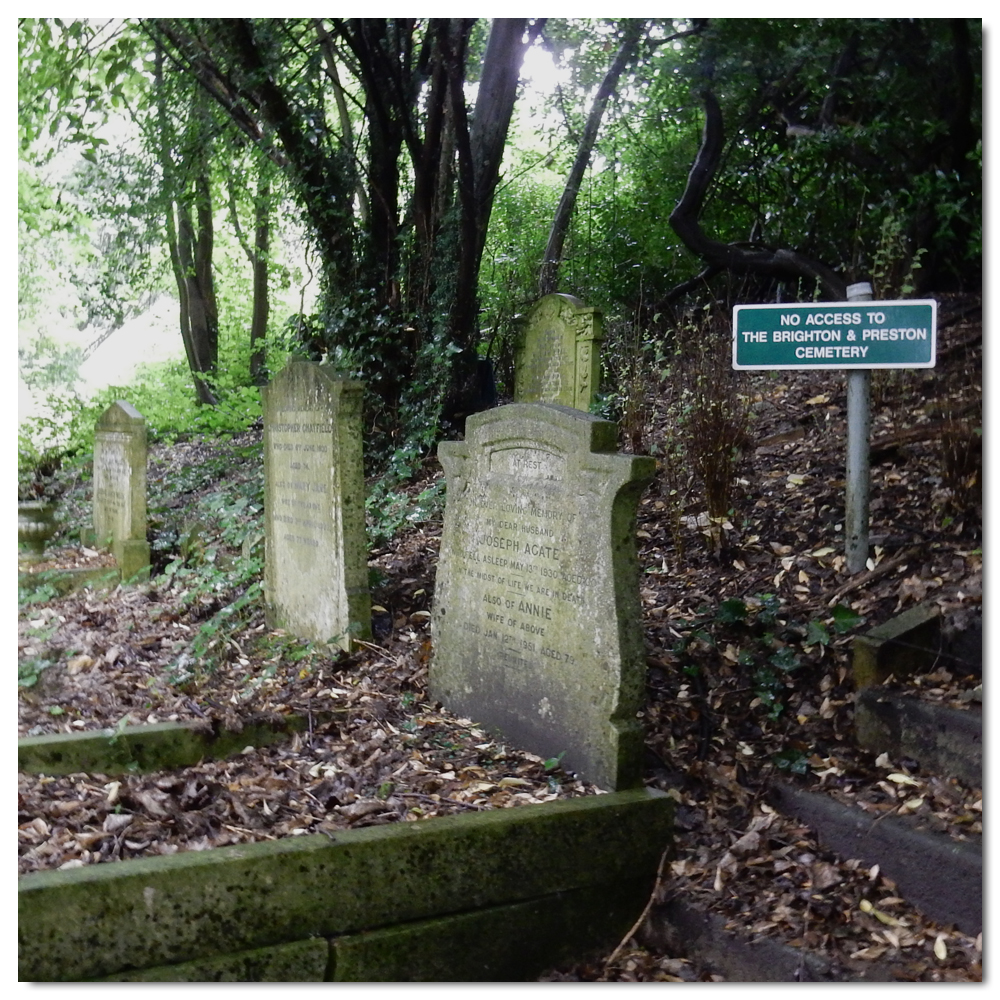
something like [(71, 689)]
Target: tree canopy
[(677, 162)]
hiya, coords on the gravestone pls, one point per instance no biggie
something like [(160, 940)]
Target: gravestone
[(558, 353), (120, 487), (315, 550), (536, 621)]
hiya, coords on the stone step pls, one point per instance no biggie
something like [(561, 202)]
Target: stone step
[(684, 928), (940, 876), (943, 740)]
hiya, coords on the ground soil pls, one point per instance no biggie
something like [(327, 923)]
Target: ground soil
[(748, 676)]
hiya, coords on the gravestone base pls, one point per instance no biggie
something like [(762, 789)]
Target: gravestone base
[(132, 557)]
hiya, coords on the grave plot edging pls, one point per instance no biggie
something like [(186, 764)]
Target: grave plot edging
[(941, 876), (944, 740), (141, 749), (101, 920)]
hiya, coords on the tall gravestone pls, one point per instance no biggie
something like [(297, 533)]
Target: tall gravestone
[(536, 620), (120, 487), (558, 353), (315, 549)]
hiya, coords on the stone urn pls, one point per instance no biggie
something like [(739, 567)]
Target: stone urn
[(36, 524)]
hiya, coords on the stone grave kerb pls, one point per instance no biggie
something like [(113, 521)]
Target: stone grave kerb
[(315, 542), (536, 623), (120, 456), (557, 352)]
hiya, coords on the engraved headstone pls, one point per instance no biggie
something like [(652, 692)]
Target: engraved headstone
[(558, 353), (315, 550), (536, 621), (120, 487)]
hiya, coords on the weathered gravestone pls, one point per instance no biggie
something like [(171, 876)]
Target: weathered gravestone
[(120, 487), (536, 614), (558, 353), (315, 551)]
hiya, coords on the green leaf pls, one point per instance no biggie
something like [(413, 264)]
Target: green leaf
[(816, 634), (844, 619), (731, 611), (785, 659), (793, 761)]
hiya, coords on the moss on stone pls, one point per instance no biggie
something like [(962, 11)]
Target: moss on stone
[(102, 919)]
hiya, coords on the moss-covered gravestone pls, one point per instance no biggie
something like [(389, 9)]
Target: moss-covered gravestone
[(536, 615), (558, 353), (120, 487), (315, 553)]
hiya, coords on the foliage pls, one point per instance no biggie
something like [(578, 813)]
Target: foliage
[(389, 509), (834, 130), (226, 595), (855, 143), (763, 642), (29, 670), (711, 414)]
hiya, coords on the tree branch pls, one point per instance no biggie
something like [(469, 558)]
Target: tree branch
[(785, 264)]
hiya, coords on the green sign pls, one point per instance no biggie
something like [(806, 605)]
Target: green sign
[(836, 335)]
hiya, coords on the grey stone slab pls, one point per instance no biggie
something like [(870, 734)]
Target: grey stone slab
[(557, 355), (511, 943), (146, 748), (316, 559), (906, 644), (536, 620)]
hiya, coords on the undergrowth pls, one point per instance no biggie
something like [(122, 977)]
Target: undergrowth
[(757, 638)]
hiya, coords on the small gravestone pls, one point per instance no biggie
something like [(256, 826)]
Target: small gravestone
[(536, 621), (315, 551), (120, 487), (557, 355)]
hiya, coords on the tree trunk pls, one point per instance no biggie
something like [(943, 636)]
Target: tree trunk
[(258, 257), (261, 300), (480, 151), (194, 254), (190, 257), (549, 277)]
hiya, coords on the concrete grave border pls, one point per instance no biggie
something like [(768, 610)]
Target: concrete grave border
[(145, 748), (499, 895)]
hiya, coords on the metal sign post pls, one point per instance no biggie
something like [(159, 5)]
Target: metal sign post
[(857, 335), (858, 480)]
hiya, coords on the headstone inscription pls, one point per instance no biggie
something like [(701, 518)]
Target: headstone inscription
[(315, 549), (536, 621), (120, 487), (558, 353)]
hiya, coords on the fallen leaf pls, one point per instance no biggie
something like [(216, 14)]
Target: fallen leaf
[(824, 875), (871, 953), (748, 843), (79, 663)]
